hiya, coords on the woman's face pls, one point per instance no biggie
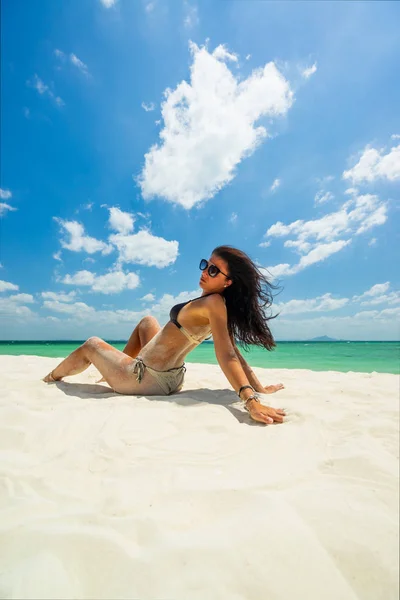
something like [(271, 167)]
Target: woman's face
[(218, 283)]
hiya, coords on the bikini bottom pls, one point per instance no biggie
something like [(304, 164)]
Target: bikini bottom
[(170, 380)]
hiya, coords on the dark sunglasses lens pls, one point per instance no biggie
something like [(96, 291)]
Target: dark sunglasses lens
[(213, 271), (203, 264)]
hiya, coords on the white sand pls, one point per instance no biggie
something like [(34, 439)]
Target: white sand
[(185, 497)]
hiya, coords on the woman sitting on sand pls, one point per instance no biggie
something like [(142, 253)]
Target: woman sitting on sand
[(235, 294)]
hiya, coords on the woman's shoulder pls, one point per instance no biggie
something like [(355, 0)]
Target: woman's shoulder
[(215, 301)]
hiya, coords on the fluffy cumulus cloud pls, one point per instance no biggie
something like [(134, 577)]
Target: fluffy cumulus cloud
[(108, 3), (6, 286), (5, 194), (76, 239), (317, 239), (378, 294), (110, 283), (323, 303), (375, 164), (14, 306), (120, 221), (143, 248), (59, 296), (148, 298), (210, 126), (77, 309)]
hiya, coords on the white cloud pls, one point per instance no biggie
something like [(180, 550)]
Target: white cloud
[(79, 241), (372, 242), (221, 53), (374, 164), (264, 244), (318, 238), (44, 90), (395, 136), (233, 218), (148, 107), (209, 128), (57, 256), (299, 245), (74, 60), (4, 207), (79, 64), (191, 16), (319, 304), (13, 307), (120, 221), (80, 278), (275, 185), (145, 249), (111, 283), (6, 285), (77, 309), (309, 71), (59, 296), (320, 253), (108, 3), (277, 270), (248, 56), (321, 197), (5, 194), (378, 294), (148, 298)]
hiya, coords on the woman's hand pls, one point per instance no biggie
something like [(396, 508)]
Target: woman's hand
[(265, 414), (271, 389)]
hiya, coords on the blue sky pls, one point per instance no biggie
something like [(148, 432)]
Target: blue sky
[(137, 136)]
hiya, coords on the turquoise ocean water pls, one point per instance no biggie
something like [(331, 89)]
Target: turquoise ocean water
[(366, 357)]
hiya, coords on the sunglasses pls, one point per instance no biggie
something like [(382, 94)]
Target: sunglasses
[(212, 270)]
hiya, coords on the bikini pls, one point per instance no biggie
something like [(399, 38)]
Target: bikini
[(173, 317), (171, 380)]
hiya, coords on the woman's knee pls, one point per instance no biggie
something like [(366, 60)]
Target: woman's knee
[(148, 321), (93, 342)]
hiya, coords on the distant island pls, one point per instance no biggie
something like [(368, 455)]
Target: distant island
[(323, 338)]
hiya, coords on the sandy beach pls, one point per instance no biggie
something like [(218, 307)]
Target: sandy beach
[(185, 497)]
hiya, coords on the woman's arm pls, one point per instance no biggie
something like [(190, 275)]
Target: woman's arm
[(257, 385), (230, 363)]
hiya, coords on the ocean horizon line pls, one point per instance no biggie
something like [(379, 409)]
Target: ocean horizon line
[(122, 341)]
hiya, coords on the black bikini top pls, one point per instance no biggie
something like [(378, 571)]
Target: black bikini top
[(175, 310)]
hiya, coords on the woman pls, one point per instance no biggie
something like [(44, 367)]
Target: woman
[(231, 307)]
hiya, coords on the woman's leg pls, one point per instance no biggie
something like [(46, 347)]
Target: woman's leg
[(115, 366), (144, 331)]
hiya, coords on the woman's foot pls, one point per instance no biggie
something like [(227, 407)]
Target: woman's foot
[(49, 378)]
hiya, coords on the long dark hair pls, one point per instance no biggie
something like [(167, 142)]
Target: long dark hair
[(248, 299)]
